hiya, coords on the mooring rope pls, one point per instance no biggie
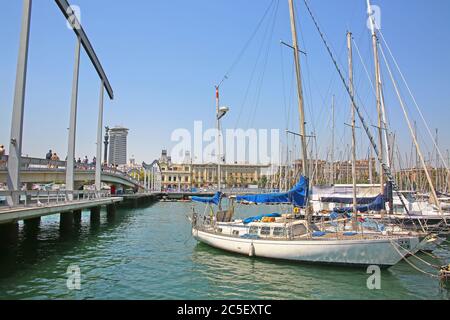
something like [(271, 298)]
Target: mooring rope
[(394, 244)]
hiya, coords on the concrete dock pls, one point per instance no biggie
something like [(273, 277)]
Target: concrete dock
[(12, 215)]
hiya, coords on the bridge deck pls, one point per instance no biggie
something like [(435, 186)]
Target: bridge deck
[(10, 215)]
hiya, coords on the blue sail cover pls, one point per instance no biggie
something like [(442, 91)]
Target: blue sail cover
[(297, 196), (210, 200), (377, 205)]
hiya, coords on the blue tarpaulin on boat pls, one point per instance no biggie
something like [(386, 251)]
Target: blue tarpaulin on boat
[(259, 218), (297, 196), (211, 200), (318, 234), (334, 215), (377, 205)]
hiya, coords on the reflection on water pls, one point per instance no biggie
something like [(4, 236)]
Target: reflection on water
[(148, 253)]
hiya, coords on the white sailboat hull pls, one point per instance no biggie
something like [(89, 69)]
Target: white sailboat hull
[(380, 252)]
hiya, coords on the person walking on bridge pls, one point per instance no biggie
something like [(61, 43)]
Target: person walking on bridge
[(2, 153), (48, 157), (55, 159), (85, 163)]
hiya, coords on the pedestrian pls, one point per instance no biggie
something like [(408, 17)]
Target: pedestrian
[(85, 163), (94, 161), (48, 157), (54, 159), (2, 153)]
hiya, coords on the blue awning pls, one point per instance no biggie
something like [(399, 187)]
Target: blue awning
[(297, 196), (210, 200)]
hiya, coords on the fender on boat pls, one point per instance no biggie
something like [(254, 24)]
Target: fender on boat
[(251, 251)]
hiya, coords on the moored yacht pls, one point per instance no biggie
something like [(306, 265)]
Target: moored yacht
[(286, 237)]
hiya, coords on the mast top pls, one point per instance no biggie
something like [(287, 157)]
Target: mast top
[(372, 21)]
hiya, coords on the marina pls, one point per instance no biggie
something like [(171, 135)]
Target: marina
[(283, 188), (127, 258)]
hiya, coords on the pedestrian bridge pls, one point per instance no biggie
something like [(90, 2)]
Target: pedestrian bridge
[(45, 171)]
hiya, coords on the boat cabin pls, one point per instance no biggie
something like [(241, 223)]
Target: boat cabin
[(263, 230)]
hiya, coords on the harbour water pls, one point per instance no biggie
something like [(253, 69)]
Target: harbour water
[(148, 253)]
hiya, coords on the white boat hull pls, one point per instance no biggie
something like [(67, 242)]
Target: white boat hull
[(380, 252)]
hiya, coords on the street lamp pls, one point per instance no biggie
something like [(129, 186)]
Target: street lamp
[(106, 142), (222, 112)]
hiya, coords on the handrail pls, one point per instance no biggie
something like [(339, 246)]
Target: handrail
[(43, 197), (53, 165)]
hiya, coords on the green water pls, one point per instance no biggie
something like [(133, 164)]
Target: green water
[(148, 253)]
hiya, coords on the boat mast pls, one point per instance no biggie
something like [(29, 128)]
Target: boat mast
[(436, 161), (332, 174), (448, 172), (350, 85), (378, 93), (416, 143), (370, 166), (219, 185), (386, 168), (305, 167)]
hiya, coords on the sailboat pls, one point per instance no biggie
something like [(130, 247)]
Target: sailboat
[(288, 237)]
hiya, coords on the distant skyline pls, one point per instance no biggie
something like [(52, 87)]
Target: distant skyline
[(164, 58)]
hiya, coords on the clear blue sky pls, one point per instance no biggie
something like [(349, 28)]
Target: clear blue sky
[(163, 59)]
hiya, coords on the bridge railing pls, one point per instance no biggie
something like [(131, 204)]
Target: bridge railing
[(46, 198), (122, 174), (36, 163), (44, 164)]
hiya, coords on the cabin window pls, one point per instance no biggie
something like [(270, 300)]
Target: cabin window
[(279, 232), (265, 231), (253, 230), (235, 232), (299, 230), (219, 230)]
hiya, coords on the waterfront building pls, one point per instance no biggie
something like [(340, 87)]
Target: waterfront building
[(118, 146), (188, 175)]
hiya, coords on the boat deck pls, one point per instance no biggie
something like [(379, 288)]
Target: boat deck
[(327, 236)]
